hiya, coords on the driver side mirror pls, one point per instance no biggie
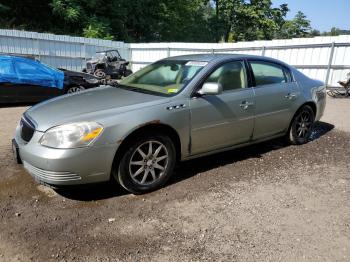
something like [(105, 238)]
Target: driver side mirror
[(210, 89)]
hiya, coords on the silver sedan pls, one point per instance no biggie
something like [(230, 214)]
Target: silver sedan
[(172, 110)]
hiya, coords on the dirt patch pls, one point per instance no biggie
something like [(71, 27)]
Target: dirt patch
[(268, 202)]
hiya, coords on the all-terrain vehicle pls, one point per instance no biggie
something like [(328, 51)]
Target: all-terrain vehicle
[(108, 63)]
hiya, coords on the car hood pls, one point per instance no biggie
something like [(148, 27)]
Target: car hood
[(90, 105), (69, 73), (94, 60)]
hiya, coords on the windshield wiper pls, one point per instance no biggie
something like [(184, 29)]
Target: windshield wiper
[(140, 90)]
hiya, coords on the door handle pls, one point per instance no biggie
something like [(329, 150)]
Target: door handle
[(290, 96), (245, 104)]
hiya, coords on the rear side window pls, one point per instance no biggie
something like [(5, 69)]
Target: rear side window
[(6, 67), (266, 73)]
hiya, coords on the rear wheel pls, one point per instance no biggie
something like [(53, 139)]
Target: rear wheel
[(127, 72), (301, 126), (147, 164)]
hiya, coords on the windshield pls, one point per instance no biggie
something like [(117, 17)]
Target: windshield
[(166, 77), (112, 54), (100, 55)]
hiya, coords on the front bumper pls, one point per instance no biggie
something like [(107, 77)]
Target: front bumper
[(50, 176), (60, 167)]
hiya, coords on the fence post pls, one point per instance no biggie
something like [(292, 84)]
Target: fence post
[(263, 48), (212, 51), (330, 61), (130, 58), (168, 52), (37, 43), (84, 51)]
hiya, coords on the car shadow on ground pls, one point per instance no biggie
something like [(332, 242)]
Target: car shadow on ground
[(189, 168), (92, 192), (18, 104)]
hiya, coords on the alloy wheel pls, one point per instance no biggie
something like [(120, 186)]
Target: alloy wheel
[(303, 124), (148, 162), (75, 89)]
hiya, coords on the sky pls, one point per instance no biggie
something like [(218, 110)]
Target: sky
[(323, 14)]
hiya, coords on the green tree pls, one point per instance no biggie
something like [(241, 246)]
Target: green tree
[(240, 20), (34, 15), (156, 20), (143, 20), (299, 26), (260, 21), (334, 32), (315, 32), (83, 17)]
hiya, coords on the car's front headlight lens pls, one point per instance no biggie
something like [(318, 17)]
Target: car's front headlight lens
[(71, 135)]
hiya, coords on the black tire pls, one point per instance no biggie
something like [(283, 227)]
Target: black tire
[(74, 89), (100, 73), (127, 165), (127, 72), (301, 127)]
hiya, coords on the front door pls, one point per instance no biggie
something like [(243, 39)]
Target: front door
[(223, 120)]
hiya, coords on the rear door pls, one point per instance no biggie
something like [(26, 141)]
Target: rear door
[(275, 93), (223, 120)]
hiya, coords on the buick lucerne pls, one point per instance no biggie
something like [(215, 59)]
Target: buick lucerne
[(172, 110)]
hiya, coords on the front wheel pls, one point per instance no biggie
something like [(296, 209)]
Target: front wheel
[(74, 89), (301, 126), (100, 73), (147, 164)]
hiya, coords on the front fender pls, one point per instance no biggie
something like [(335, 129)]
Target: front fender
[(119, 127)]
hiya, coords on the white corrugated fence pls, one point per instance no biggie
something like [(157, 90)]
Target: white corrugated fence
[(59, 51), (323, 58)]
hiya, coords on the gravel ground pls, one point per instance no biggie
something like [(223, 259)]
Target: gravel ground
[(268, 202)]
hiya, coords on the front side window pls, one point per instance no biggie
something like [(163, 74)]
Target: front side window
[(166, 77), (266, 73), (24, 68), (231, 76)]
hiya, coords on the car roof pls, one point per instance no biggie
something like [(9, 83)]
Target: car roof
[(26, 59), (218, 57), (18, 58)]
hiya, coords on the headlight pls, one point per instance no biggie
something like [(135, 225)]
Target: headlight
[(71, 135)]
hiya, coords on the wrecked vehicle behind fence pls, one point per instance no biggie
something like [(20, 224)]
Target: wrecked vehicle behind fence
[(108, 64)]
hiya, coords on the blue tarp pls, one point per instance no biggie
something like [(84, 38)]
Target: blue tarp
[(19, 70)]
